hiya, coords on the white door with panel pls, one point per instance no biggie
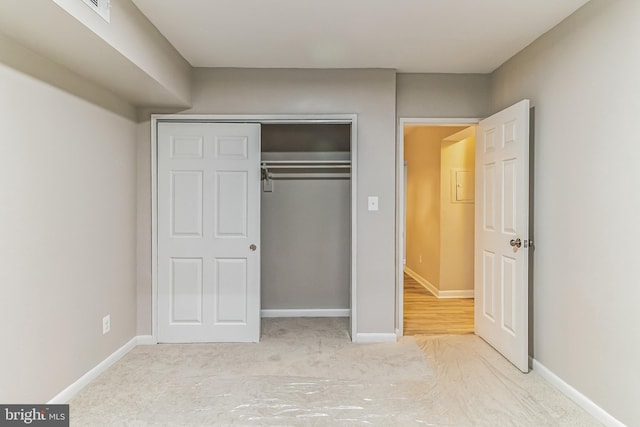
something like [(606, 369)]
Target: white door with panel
[(208, 278), (502, 233)]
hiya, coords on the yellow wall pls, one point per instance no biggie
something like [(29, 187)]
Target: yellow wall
[(457, 218), (422, 146)]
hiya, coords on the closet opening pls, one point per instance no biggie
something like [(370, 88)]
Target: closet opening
[(305, 222)]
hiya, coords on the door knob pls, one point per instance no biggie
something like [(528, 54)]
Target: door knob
[(253, 247), (516, 243)]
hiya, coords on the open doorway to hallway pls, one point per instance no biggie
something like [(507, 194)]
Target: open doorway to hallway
[(439, 228)]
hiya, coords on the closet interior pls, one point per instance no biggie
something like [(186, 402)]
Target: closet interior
[(306, 220)]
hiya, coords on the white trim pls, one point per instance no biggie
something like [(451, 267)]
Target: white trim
[(259, 118), (306, 312), (154, 229), (354, 225), (453, 293), (67, 394), (400, 214), (374, 337), (456, 293), (424, 282), (351, 119), (583, 401)]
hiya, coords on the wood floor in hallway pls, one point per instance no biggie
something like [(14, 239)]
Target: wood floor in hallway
[(424, 314)]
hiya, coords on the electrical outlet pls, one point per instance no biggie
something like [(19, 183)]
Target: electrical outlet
[(372, 203), (106, 324)]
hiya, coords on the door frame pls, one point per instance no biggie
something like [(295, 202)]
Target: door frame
[(351, 119), (400, 208)]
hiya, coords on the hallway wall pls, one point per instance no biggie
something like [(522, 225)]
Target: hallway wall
[(422, 151), (457, 223)]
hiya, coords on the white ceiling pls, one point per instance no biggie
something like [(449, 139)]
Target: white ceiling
[(447, 36)]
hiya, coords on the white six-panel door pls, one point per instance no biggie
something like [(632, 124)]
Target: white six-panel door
[(208, 232), (502, 232)]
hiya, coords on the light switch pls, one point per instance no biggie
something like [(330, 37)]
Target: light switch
[(372, 203)]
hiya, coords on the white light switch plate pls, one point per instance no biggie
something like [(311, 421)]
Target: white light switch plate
[(372, 203)]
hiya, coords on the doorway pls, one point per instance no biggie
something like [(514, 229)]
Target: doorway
[(502, 237), (348, 121), (435, 280)]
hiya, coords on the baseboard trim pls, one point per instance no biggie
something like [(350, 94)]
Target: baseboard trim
[(462, 293), (374, 337), (424, 282), (67, 394), (583, 401), (311, 312)]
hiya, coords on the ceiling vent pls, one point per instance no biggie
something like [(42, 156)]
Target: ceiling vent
[(101, 7)]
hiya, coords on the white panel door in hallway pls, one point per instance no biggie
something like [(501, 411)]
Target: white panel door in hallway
[(208, 232), (502, 232)]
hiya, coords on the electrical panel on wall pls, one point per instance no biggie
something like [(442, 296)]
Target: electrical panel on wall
[(101, 7)]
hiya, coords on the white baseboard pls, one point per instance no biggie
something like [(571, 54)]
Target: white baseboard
[(462, 293), (374, 337), (424, 282), (583, 401), (315, 312), (67, 394)]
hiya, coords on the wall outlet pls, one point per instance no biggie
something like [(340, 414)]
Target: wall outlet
[(106, 324), (372, 203)]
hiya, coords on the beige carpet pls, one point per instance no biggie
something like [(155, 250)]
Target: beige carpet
[(306, 372)]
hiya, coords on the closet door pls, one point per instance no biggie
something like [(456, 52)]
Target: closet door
[(208, 232)]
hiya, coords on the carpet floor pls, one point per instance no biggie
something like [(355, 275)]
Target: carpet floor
[(306, 372)]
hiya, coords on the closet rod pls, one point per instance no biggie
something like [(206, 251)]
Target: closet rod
[(323, 166), (310, 175), (306, 161)]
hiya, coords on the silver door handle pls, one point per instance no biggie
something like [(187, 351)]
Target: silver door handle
[(516, 243), (253, 247)]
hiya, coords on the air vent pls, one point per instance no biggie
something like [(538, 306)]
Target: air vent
[(101, 7)]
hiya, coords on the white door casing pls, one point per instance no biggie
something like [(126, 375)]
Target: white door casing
[(502, 217), (208, 268)]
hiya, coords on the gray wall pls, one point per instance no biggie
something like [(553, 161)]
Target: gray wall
[(368, 93), (444, 95), (582, 78), (306, 244), (67, 221)]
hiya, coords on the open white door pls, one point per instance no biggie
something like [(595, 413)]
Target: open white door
[(208, 232), (501, 233)]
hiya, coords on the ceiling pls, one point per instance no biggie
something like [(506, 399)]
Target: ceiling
[(424, 36)]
